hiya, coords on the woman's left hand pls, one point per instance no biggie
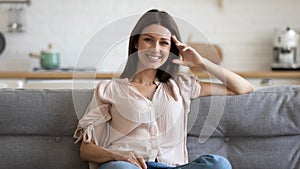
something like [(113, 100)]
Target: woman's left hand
[(190, 57)]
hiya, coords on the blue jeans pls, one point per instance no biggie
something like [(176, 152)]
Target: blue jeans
[(202, 162)]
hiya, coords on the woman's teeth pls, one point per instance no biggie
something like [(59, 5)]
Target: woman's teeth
[(154, 57)]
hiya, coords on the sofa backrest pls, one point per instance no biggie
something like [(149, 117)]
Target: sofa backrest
[(256, 131), (260, 130), (36, 129)]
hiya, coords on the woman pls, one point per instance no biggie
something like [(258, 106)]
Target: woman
[(139, 119)]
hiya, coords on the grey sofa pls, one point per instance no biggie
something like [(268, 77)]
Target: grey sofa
[(255, 131)]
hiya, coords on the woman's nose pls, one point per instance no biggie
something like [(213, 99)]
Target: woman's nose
[(156, 46)]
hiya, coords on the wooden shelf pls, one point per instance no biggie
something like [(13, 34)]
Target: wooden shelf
[(92, 75)]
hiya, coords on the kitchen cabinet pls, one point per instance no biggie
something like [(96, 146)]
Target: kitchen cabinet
[(12, 83), (61, 84), (58, 80), (269, 82), (259, 83), (264, 79), (50, 80), (273, 78)]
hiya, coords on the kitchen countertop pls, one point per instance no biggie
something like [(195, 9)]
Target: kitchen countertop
[(93, 75)]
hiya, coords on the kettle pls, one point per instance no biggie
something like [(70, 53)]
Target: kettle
[(49, 58)]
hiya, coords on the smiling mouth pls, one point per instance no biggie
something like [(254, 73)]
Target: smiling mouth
[(154, 58)]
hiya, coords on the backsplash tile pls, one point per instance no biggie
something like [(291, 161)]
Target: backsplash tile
[(243, 29)]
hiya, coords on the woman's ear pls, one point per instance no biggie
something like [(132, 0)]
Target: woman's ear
[(135, 46)]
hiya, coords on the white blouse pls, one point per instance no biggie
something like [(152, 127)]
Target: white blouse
[(120, 118)]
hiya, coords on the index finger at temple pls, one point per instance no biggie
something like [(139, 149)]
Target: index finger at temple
[(177, 42)]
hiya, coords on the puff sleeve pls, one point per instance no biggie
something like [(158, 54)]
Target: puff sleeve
[(93, 125)]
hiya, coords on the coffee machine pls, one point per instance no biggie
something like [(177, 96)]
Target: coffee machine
[(286, 54)]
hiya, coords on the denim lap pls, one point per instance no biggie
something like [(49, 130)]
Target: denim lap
[(202, 162), (117, 165), (207, 162)]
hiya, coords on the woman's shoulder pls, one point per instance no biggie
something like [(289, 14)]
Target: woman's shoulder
[(106, 87)]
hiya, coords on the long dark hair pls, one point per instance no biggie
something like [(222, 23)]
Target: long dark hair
[(154, 16)]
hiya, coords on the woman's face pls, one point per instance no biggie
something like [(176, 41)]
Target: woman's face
[(153, 46)]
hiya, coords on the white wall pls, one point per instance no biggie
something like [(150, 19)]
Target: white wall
[(243, 28)]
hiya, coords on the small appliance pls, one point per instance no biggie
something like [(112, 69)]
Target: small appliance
[(286, 50)]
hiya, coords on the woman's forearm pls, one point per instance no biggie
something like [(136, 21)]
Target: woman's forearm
[(231, 80), (93, 153)]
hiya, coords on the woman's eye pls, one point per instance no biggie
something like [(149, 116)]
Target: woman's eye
[(148, 40), (164, 43)]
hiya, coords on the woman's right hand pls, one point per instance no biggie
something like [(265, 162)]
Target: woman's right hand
[(131, 157), (97, 154)]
